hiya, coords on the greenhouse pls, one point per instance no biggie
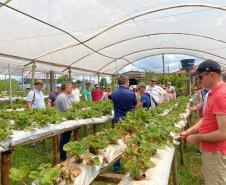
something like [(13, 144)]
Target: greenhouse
[(101, 92)]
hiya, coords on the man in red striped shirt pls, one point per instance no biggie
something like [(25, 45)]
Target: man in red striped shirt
[(210, 131)]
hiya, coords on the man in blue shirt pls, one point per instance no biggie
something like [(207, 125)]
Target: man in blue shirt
[(124, 101)]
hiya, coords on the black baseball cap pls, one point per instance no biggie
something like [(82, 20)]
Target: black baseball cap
[(208, 66)]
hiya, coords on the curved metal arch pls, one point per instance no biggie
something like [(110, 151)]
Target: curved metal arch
[(136, 16), (148, 35), (160, 54), (6, 2), (156, 55), (160, 49), (154, 11)]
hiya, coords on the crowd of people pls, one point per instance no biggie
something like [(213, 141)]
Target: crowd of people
[(209, 101), (123, 99), (35, 97)]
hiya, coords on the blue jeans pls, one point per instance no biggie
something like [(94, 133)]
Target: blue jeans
[(117, 164), (64, 138)]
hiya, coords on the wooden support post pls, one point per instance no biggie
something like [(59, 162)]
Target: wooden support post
[(174, 170), (52, 86), (33, 75), (22, 80), (163, 67), (47, 81), (76, 134), (69, 72), (10, 86), (56, 149), (181, 150), (94, 128), (5, 167), (98, 79)]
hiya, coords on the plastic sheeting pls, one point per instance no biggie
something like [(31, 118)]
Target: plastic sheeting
[(15, 99), (21, 137), (114, 33), (158, 175)]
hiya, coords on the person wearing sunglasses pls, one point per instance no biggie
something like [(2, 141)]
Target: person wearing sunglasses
[(224, 76), (159, 94), (210, 131)]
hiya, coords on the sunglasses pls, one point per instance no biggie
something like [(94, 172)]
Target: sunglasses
[(153, 81), (202, 75)]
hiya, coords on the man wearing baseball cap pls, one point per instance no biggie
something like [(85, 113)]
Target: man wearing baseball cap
[(35, 98), (210, 131)]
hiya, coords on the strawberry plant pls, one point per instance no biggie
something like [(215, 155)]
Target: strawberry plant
[(95, 143), (19, 175), (5, 128), (76, 149), (46, 175), (112, 135)]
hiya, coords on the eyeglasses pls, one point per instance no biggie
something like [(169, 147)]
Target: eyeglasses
[(202, 75), (153, 81)]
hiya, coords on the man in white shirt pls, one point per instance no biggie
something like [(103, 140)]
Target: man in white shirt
[(75, 94), (35, 98), (159, 94)]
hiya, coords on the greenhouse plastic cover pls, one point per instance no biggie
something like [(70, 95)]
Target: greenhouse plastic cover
[(99, 36)]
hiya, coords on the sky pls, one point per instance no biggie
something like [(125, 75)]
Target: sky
[(154, 63)]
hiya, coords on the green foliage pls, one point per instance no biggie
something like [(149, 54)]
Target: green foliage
[(95, 143), (5, 128), (4, 85), (64, 78), (19, 175), (46, 175), (151, 132), (112, 135), (75, 149), (38, 118)]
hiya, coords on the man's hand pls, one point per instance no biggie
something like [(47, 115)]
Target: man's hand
[(196, 107), (183, 135), (193, 139)]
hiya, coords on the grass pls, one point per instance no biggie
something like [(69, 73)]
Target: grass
[(33, 156), (191, 172)]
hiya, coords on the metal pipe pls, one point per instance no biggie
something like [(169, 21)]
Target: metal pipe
[(175, 48), (10, 87)]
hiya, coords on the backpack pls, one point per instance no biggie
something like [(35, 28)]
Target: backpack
[(33, 100), (153, 101)]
